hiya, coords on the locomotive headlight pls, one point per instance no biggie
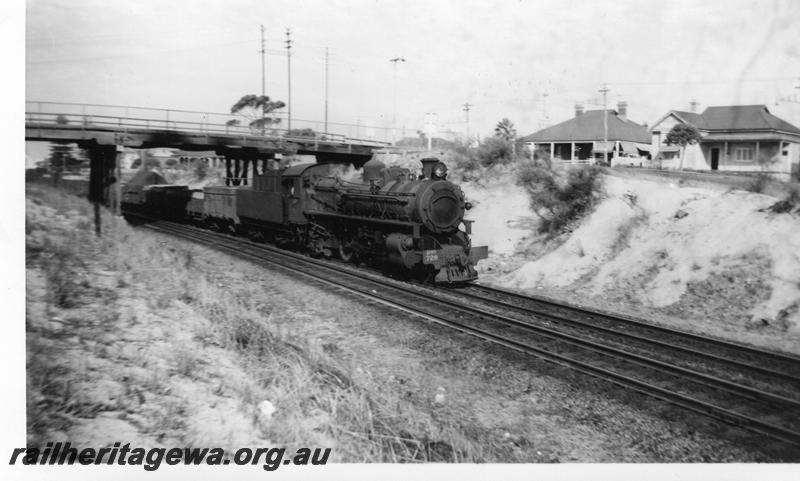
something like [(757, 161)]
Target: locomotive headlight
[(439, 171)]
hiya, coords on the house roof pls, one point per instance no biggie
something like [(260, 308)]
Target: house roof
[(690, 118), (731, 118), (589, 127), (744, 117)]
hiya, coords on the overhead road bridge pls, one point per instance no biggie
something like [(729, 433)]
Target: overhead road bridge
[(104, 130)]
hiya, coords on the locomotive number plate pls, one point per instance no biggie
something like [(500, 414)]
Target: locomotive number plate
[(430, 257)]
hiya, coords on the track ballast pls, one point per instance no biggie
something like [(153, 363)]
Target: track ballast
[(751, 388)]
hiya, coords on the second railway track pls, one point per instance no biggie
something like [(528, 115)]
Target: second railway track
[(753, 389)]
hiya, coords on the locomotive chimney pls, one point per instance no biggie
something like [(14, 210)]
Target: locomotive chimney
[(427, 166)]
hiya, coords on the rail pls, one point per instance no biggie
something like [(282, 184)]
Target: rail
[(756, 410), (127, 118)]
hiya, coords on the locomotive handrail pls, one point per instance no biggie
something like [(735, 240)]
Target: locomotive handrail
[(375, 197), (381, 220)]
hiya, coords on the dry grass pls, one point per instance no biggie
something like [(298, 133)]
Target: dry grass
[(163, 381)]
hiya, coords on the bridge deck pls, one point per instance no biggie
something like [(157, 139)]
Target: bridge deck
[(189, 130)]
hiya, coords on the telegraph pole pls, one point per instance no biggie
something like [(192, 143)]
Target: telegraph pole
[(430, 123), (326, 90), (466, 111), (604, 91), (394, 97), (544, 108), (289, 70), (263, 63), (263, 80)]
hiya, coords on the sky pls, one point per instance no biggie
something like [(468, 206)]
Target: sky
[(529, 61)]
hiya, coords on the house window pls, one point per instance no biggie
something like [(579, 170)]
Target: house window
[(744, 155), (784, 148)]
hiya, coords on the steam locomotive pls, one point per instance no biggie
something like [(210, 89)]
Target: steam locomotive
[(411, 224)]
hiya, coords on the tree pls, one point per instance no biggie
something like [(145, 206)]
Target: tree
[(682, 135), (256, 108), (62, 158), (201, 168), (505, 130), (302, 133)]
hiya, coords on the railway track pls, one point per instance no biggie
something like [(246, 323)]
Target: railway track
[(754, 389)]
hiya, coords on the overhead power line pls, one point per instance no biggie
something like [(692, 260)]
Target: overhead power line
[(133, 54)]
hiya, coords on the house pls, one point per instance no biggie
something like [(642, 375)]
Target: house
[(581, 138), (738, 138)]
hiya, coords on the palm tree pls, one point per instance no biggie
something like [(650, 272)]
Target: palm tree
[(505, 130)]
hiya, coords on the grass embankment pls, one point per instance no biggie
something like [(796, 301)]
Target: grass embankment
[(128, 340)]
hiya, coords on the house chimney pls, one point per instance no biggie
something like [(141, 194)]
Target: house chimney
[(622, 110), (578, 110), (693, 105)]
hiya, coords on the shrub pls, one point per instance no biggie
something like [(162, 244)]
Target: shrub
[(758, 184), (201, 169), (494, 151), (559, 198), (793, 194), (471, 162), (789, 203)]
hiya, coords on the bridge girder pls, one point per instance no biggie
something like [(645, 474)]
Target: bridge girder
[(325, 151)]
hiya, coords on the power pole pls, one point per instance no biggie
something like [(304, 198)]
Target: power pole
[(394, 97), (263, 63), (544, 108), (466, 111), (326, 90), (604, 91), (430, 123), (263, 80), (289, 71)]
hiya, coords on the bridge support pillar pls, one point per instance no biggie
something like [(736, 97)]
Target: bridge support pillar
[(237, 172), (245, 165), (102, 161)]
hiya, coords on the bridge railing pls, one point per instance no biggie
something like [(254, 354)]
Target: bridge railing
[(124, 118)]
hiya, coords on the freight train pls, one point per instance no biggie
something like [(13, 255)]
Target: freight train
[(412, 224)]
